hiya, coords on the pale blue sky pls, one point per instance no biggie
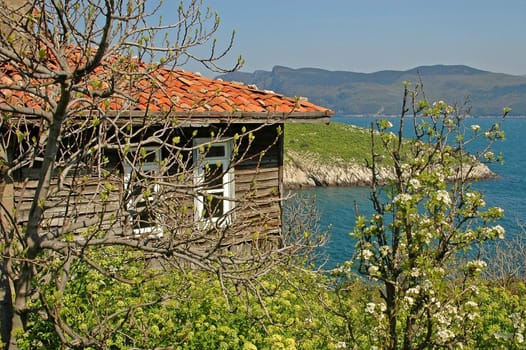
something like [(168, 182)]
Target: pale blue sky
[(372, 35)]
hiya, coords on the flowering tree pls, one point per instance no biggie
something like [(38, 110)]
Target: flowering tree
[(424, 221)]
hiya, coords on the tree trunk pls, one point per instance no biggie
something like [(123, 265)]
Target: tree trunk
[(6, 308), (392, 314), (32, 236), (22, 290)]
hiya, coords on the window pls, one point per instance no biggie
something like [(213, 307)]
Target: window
[(141, 167), (214, 180)]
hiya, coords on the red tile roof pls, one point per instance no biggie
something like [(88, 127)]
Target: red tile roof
[(178, 93)]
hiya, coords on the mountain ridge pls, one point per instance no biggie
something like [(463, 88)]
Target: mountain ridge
[(348, 92)]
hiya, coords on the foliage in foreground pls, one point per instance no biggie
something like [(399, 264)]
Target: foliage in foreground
[(287, 309), (192, 310)]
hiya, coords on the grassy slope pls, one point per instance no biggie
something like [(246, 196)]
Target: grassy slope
[(333, 142), (336, 144)]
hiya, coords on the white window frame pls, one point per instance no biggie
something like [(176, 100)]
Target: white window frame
[(228, 188), (152, 166)]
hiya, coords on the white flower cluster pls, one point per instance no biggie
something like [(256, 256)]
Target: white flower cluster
[(415, 272), (413, 291), (409, 300), (402, 198), (414, 184), (471, 308), (371, 307), (445, 335), (442, 196), (373, 270), (341, 345), (447, 109), (496, 231), (385, 250), (475, 127), (519, 325), (475, 199), (366, 254), (498, 210), (489, 155), (476, 265)]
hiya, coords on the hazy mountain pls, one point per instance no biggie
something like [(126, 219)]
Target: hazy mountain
[(381, 92)]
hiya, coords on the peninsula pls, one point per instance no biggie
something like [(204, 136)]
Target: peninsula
[(334, 155)]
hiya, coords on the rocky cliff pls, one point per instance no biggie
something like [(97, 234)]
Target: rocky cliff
[(306, 170)]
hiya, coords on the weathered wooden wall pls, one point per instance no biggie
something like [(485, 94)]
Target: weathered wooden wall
[(87, 202)]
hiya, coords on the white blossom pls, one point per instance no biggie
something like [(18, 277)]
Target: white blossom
[(445, 334), (473, 316), (475, 127), (476, 265), (442, 319), (414, 183), (489, 155), (369, 308), (382, 307), (443, 197), (402, 198), (373, 270), (496, 231), (471, 304), (499, 231), (413, 291), (474, 289), (341, 345), (475, 199), (385, 250), (366, 254)]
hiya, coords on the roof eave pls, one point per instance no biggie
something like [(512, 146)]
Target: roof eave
[(195, 118)]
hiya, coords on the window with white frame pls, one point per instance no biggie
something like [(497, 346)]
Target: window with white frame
[(142, 166), (214, 180)]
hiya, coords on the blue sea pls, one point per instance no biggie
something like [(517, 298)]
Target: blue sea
[(336, 205)]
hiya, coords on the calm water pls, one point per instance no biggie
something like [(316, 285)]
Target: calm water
[(337, 204)]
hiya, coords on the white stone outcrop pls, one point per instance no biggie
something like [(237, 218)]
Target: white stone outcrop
[(306, 170)]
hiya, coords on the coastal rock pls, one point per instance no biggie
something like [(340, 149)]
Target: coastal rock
[(306, 170)]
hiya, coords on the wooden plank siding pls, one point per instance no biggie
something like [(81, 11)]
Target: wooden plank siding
[(92, 201)]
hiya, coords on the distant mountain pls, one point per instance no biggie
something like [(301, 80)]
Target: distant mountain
[(381, 92)]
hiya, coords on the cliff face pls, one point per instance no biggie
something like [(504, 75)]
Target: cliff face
[(306, 170)]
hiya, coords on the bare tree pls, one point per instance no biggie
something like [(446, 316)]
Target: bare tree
[(99, 170), (507, 259)]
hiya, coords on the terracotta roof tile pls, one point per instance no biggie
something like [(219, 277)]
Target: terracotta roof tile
[(181, 92)]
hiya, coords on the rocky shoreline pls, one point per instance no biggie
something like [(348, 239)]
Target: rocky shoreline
[(304, 170)]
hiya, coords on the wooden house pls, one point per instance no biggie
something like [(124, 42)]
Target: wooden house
[(174, 157)]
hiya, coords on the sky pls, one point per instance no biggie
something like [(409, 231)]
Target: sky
[(373, 35)]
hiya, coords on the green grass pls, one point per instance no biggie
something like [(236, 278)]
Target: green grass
[(333, 142), (338, 143)]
